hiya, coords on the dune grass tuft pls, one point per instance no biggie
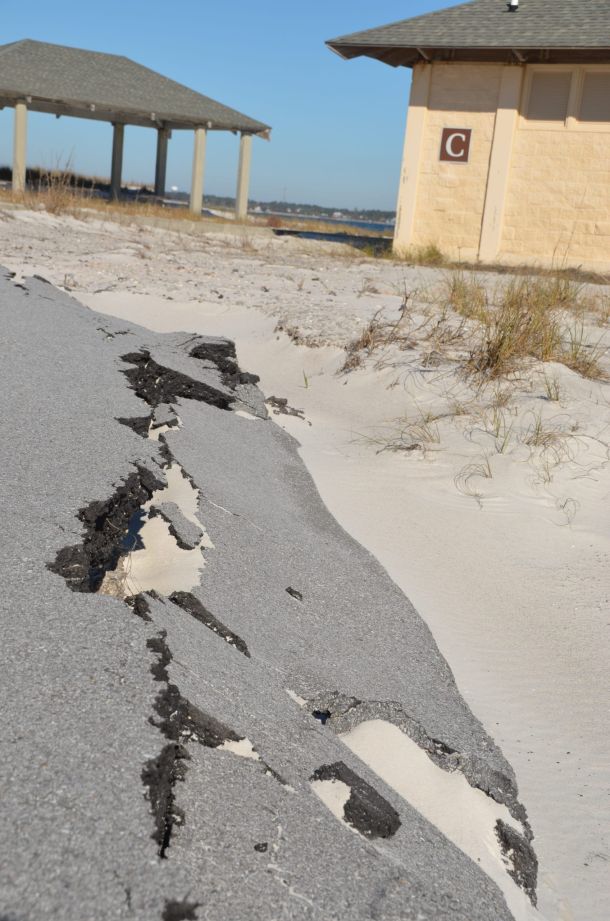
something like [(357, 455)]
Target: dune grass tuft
[(464, 292), (378, 334), (528, 320), (427, 254)]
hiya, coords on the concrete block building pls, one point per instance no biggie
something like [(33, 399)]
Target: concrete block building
[(507, 148)]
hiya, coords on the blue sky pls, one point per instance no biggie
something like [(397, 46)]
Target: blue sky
[(337, 125)]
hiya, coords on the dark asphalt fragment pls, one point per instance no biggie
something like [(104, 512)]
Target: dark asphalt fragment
[(442, 748), (100, 329), (157, 644), (179, 722), (180, 911), (138, 424), (107, 526), (179, 718), (519, 852), (157, 384), (366, 809), (189, 603), (281, 407), (160, 775), (139, 605), (221, 353)]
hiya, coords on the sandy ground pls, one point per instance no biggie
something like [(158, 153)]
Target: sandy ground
[(491, 516)]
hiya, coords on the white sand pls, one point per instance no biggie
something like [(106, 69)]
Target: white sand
[(155, 433), (243, 748), (181, 491), (509, 570), (161, 565), (334, 794)]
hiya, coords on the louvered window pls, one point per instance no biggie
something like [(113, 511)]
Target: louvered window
[(549, 95), (595, 103)]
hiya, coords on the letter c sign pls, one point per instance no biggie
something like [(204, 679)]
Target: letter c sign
[(455, 145)]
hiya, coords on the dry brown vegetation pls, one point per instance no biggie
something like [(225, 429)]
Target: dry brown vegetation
[(60, 198), (373, 336), (541, 318), (377, 335), (59, 190), (478, 342), (429, 254)]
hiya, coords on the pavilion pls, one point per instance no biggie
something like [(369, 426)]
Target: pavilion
[(507, 148), (59, 80)]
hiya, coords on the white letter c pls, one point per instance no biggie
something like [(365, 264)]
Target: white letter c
[(449, 145)]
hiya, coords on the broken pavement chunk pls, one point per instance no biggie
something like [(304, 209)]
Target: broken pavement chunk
[(187, 533), (164, 414), (366, 809)]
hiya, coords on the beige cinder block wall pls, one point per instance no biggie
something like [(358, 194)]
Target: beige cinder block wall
[(558, 199), (449, 197), (530, 193)]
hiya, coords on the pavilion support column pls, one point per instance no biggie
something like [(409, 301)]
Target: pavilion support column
[(492, 224), (20, 147), (411, 160), (117, 161), (163, 136), (243, 176), (196, 202)]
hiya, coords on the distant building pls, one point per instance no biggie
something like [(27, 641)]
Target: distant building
[(507, 149)]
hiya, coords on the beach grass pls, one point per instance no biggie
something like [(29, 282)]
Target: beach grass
[(494, 330)]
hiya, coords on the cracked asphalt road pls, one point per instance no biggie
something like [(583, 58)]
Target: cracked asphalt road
[(81, 679)]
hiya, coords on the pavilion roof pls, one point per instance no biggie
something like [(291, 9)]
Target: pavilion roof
[(108, 87)]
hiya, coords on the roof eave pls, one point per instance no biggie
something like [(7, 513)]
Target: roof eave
[(409, 55), (128, 116)]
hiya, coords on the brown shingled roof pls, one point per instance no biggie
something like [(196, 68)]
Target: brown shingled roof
[(552, 30), (108, 87)]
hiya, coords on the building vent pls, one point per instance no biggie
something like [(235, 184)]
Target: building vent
[(595, 104), (549, 95)]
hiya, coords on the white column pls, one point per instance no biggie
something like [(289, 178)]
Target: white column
[(117, 161), (20, 147), (499, 163), (163, 136), (414, 136), (243, 177), (196, 202)]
